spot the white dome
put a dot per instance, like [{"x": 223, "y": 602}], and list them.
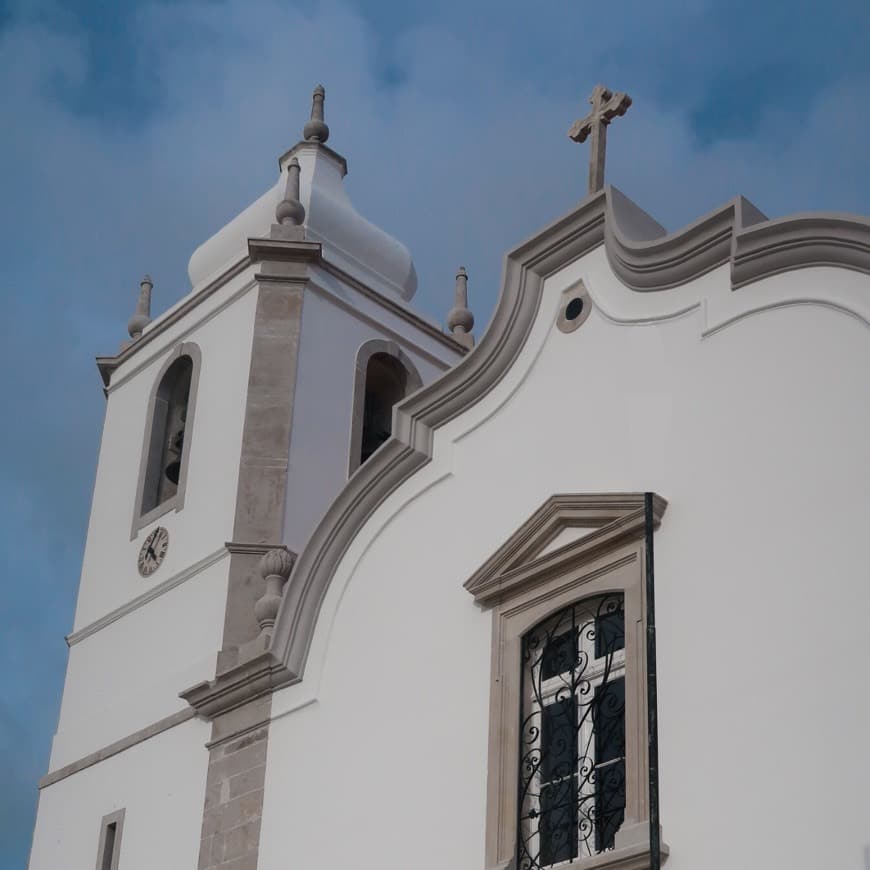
[{"x": 349, "y": 241}]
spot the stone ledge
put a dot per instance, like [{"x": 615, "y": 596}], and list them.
[{"x": 261, "y": 675}]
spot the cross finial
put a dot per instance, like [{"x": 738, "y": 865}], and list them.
[{"x": 605, "y": 107}]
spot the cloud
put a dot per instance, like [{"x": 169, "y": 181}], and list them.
[{"x": 453, "y": 119}]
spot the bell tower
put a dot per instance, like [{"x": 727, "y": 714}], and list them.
[{"x": 233, "y": 419}]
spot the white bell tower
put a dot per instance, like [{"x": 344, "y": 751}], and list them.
[{"x": 232, "y": 421}]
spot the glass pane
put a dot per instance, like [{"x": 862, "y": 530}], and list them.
[
  {"x": 609, "y": 630},
  {"x": 560, "y": 654},
  {"x": 609, "y": 803},
  {"x": 609, "y": 721},
  {"x": 559, "y": 739},
  {"x": 558, "y": 826}
]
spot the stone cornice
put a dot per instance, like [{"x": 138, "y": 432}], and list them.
[
  {"x": 644, "y": 257},
  {"x": 614, "y": 518},
  {"x": 271, "y": 250},
  {"x": 108, "y": 364},
  {"x": 245, "y": 682}
]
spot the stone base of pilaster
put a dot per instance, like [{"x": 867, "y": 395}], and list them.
[{"x": 235, "y": 787}]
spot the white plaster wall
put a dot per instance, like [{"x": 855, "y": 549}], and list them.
[
  {"x": 128, "y": 675},
  {"x": 756, "y": 434},
  {"x": 335, "y": 323},
  {"x": 160, "y": 783},
  {"x": 222, "y": 327}
]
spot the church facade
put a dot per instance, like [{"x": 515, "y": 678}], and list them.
[{"x": 589, "y": 593}]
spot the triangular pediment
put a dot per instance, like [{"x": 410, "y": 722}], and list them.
[{"x": 565, "y": 530}]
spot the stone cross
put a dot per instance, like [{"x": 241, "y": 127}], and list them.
[{"x": 605, "y": 107}]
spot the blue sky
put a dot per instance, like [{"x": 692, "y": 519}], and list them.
[{"x": 133, "y": 130}]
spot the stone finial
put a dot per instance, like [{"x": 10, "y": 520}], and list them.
[
  {"x": 290, "y": 211},
  {"x": 460, "y": 320},
  {"x": 275, "y": 567},
  {"x": 316, "y": 130},
  {"x": 142, "y": 316}
]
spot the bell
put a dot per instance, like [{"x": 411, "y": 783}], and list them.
[{"x": 173, "y": 470}]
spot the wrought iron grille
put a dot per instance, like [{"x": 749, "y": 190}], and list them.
[{"x": 572, "y": 734}]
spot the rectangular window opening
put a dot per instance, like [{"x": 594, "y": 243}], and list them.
[{"x": 110, "y": 841}]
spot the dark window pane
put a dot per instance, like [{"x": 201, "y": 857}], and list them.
[
  {"x": 560, "y": 654},
  {"x": 609, "y": 721},
  {"x": 558, "y": 824},
  {"x": 559, "y": 739},
  {"x": 609, "y": 803},
  {"x": 609, "y": 632},
  {"x": 609, "y": 724}
]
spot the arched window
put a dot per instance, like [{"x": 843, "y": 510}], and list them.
[
  {"x": 573, "y": 751},
  {"x": 572, "y": 734},
  {"x": 385, "y": 385},
  {"x": 163, "y": 469},
  {"x": 384, "y": 376}
]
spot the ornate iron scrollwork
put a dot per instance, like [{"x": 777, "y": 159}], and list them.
[{"x": 572, "y": 734}]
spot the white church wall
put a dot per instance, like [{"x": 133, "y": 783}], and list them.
[
  {"x": 755, "y": 435},
  {"x": 333, "y": 329},
  {"x": 222, "y": 328},
  {"x": 137, "y": 642},
  {"x": 159, "y": 783},
  {"x": 128, "y": 674}
]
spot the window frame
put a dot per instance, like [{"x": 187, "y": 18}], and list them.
[
  {"x": 366, "y": 351},
  {"x": 176, "y": 501},
  {"x": 117, "y": 819},
  {"x": 606, "y": 669},
  {"x": 525, "y": 584}
]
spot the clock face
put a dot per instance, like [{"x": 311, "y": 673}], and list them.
[{"x": 153, "y": 551}]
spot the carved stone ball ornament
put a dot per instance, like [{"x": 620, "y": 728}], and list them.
[{"x": 275, "y": 566}]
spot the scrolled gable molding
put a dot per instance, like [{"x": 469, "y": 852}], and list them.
[
  {"x": 419, "y": 415},
  {"x": 802, "y": 240},
  {"x": 644, "y": 257},
  {"x": 613, "y": 519}
]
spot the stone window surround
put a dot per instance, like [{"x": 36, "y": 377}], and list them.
[
  {"x": 523, "y": 590},
  {"x": 117, "y": 819},
  {"x": 176, "y": 502},
  {"x": 366, "y": 351}
]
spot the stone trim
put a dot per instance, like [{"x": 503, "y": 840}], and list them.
[
  {"x": 116, "y": 819},
  {"x": 140, "y": 600},
  {"x": 516, "y": 565},
  {"x": 394, "y": 307},
  {"x": 264, "y": 457},
  {"x": 612, "y": 558},
  {"x": 235, "y": 787},
  {"x": 643, "y": 256},
  {"x": 575, "y": 291},
  {"x": 176, "y": 502},
  {"x": 107, "y": 365},
  {"x": 118, "y": 746},
  {"x": 365, "y": 352},
  {"x": 233, "y": 688},
  {"x": 250, "y": 548},
  {"x": 417, "y": 416},
  {"x": 324, "y": 290}
]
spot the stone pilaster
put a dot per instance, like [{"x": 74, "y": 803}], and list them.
[{"x": 234, "y": 789}]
